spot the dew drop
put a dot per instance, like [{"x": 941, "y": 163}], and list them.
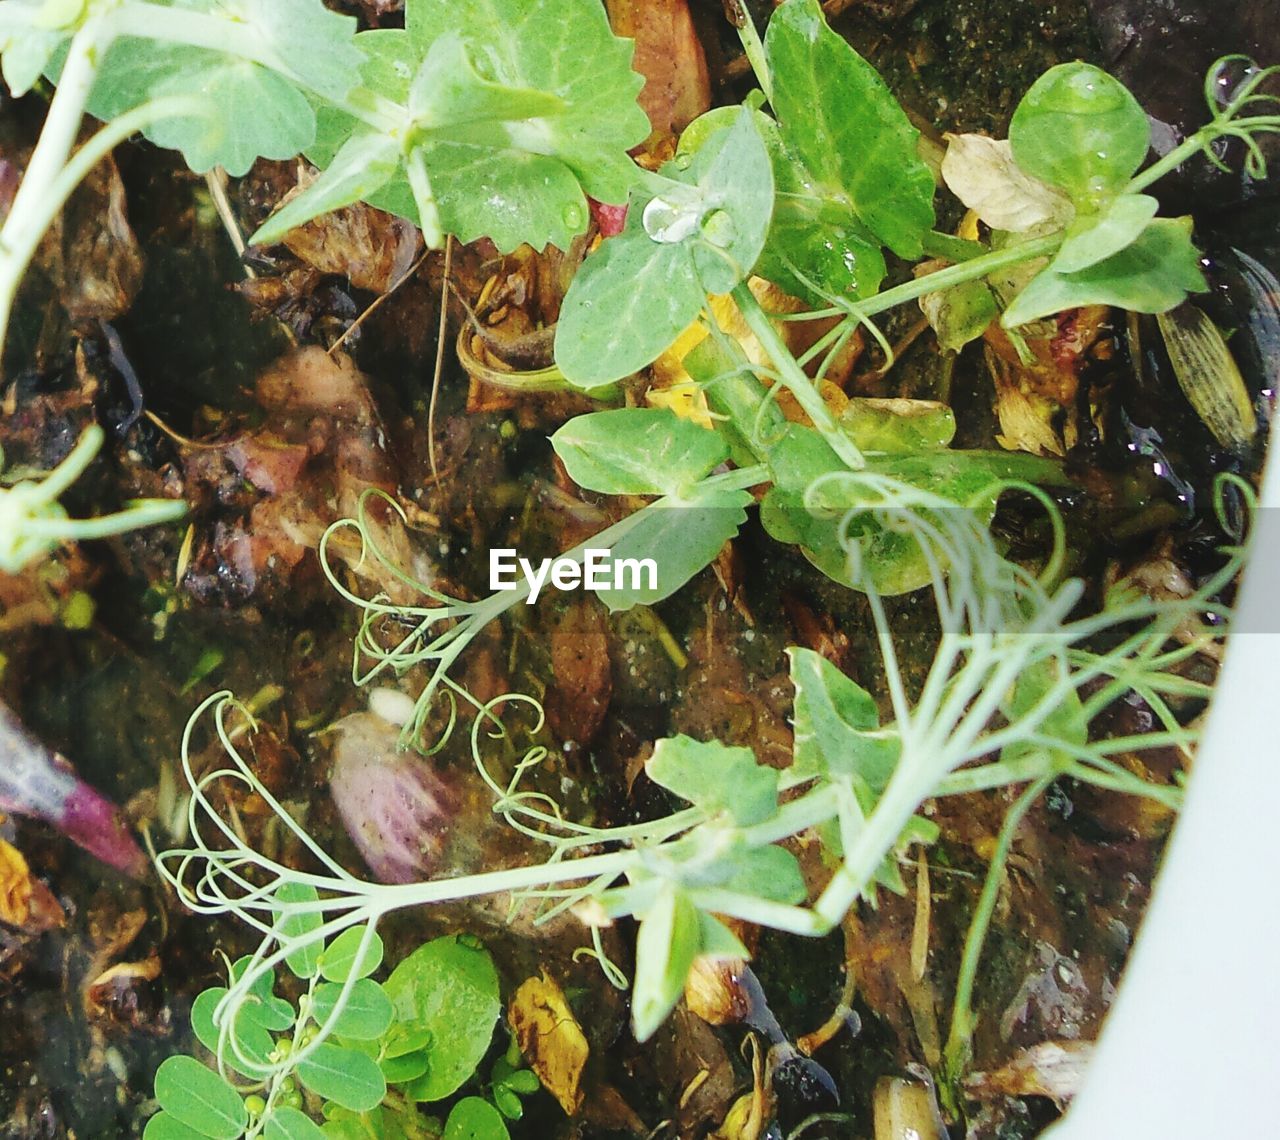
[
  {"x": 669, "y": 223},
  {"x": 573, "y": 217}
]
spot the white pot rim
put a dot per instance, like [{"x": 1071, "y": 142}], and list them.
[{"x": 1189, "y": 1048}]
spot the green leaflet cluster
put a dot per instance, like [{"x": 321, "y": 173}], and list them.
[{"x": 421, "y": 1033}]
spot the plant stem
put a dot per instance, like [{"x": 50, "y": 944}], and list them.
[
  {"x": 30, "y": 214},
  {"x": 794, "y": 378},
  {"x": 963, "y": 1021},
  {"x": 969, "y": 270}
]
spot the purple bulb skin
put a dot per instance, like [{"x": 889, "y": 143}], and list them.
[
  {"x": 393, "y": 805},
  {"x": 93, "y": 821}
]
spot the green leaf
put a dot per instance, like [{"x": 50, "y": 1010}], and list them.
[
  {"x": 199, "y": 1098},
  {"x": 405, "y": 1067},
  {"x": 1095, "y": 237},
  {"x": 366, "y": 1014},
  {"x": 770, "y": 872},
  {"x": 363, "y": 165},
  {"x": 338, "y": 959},
  {"x": 897, "y": 425},
  {"x": 254, "y": 88},
  {"x": 561, "y": 47},
  {"x": 681, "y": 538},
  {"x": 298, "y": 926},
  {"x": 538, "y": 109},
  {"x": 27, "y": 44},
  {"x": 343, "y": 1076},
  {"x": 844, "y": 125},
  {"x": 815, "y": 247},
  {"x": 626, "y": 304},
  {"x": 837, "y": 725},
  {"x": 1079, "y": 129},
  {"x": 960, "y": 314},
  {"x": 717, "y": 940},
  {"x": 475, "y": 1119},
  {"x": 287, "y": 1123},
  {"x": 734, "y": 178},
  {"x": 637, "y": 451},
  {"x": 447, "y": 990},
  {"x": 716, "y": 778},
  {"x": 164, "y": 1126},
  {"x": 666, "y": 945},
  {"x": 261, "y": 1004},
  {"x": 1152, "y": 275},
  {"x": 633, "y": 297},
  {"x": 253, "y": 1039}
]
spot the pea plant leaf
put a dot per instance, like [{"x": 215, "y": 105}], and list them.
[
  {"x": 816, "y": 247},
  {"x": 1095, "y": 237},
  {"x": 26, "y": 46},
  {"x": 669, "y": 939},
  {"x": 721, "y": 780},
  {"x": 680, "y": 539},
  {"x": 841, "y": 122},
  {"x": 517, "y": 110},
  {"x": 702, "y": 233},
  {"x": 1151, "y": 275},
  {"x": 364, "y": 164},
  {"x": 344, "y": 1076},
  {"x": 253, "y": 90},
  {"x": 837, "y": 726},
  {"x": 1080, "y": 130},
  {"x": 365, "y": 1015},
  {"x": 286, "y": 1123},
  {"x": 637, "y": 451}
]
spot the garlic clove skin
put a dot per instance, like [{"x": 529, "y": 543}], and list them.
[{"x": 395, "y": 807}]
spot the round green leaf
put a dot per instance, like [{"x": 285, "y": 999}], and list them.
[
  {"x": 448, "y": 989},
  {"x": 197, "y": 1097},
  {"x": 637, "y": 451},
  {"x": 343, "y": 1076},
  {"x": 338, "y": 959},
  {"x": 291, "y": 1124},
  {"x": 163, "y": 1126},
  {"x": 1080, "y": 130},
  {"x": 366, "y": 1014},
  {"x": 475, "y": 1119}
]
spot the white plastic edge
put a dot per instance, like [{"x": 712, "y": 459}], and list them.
[{"x": 1189, "y": 1049}]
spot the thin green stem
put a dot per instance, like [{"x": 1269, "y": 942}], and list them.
[
  {"x": 963, "y": 1020},
  {"x": 30, "y": 215},
  {"x": 794, "y": 378},
  {"x": 970, "y": 270}
]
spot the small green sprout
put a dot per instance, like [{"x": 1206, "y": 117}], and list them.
[{"x": 33, "y": 523}]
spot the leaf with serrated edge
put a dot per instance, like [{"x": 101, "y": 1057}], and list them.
[{"x": 716, "y": 778}]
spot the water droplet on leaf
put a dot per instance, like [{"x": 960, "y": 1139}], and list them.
[{"x": 670, "y": 223}]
